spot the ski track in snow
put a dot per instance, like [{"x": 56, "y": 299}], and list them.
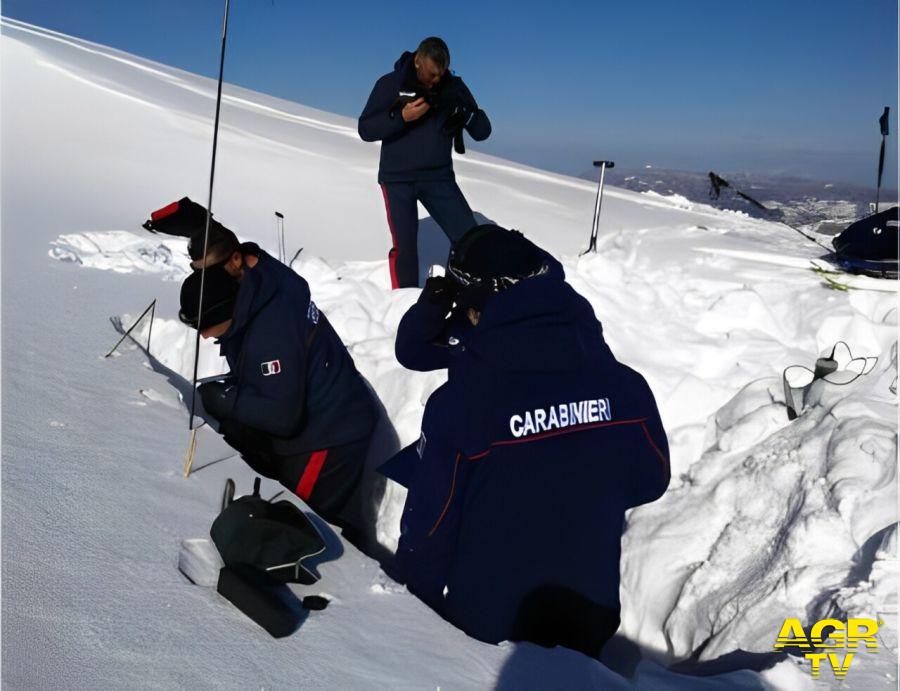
[{"x": 764, "y": 518}]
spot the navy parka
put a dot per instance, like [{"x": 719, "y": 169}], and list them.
[
  {"x": 528, "y": 458},
  {"x": 295, "y": 380},
  {"x": 417, "y": 150}
]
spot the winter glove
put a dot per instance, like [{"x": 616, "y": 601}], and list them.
[
  {"x": 254, "y": 446},
  {"x": 440, "y": 291},
  {"x": 458, "y": 118},
  {"x": 218, "y": 398},
  {"x": 459, "y": 105}
]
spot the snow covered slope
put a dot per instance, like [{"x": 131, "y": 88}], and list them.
[{"x": 765, "y": 518}]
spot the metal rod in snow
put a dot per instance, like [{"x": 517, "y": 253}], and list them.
[
  {"x": 150, "y": 308},
  {"x": 595, "y": 225},
  {"x": 883, "y": 123},
  {"x": 279, "y": 237},
  {"x": 592, "y": 244},
  {"x": 212, "y": 175}
]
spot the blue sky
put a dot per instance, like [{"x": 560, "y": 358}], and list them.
[{"x": 769, "y": 86}]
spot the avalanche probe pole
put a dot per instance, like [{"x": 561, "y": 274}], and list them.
[
  {"x": 883, "y": 121},
  {"x": 279, "y": 237},
  {"x": 189, "y": 456},
  {"x": 595, "y": 226}
]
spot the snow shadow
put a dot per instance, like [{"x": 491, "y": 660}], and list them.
[
  {"x": 385, "y": 443},
  {"x": 735, "y": 661},
  {"x": 532, "y": 667},
  {"x": 625, "y": 664},
  {"x": 434, "y": 245},
  {"x": 624, "y": 655},
  {"x": 179, "y": 383}
]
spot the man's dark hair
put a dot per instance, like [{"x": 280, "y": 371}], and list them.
[
  {"x": 436, "y": 50},
  {"x": 221, "y": 245}
]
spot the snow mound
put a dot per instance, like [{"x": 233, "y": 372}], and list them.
[
  {"x": 765, "y": 517},
  {"x": 124, "y": 252},
  {"x": 677, "y": 200}
]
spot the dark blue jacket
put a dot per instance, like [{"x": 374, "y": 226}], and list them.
[
  {"x": 530, "y": 455},
  {"x": 418, "y": 150},
  {"x": 295, "y": 380}
]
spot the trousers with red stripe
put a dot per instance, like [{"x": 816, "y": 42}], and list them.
[
  {"x": 448, "y": 207},
  {"x": 327, "y": 479}
]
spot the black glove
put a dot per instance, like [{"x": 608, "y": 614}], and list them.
[
  {"x": 218, "y": 398},
  {"x": 457, "y": 119},
  {"x": 254, "y": 446},
  {"x": 440, "y": 291}
]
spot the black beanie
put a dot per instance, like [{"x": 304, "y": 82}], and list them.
[
  {"x": 219, "y": 295},
  {"x": 488, "y": 259}
]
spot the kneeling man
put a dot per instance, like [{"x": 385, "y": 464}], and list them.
[
  {"x": 529, "y": 455},
  {"x": 293, "y": 405}
]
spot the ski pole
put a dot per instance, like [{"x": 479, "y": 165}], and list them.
[
  {"x": 595, "y": 225},
  {"x": 883, "y": 122},
  {"x": 212, "y": 174}
]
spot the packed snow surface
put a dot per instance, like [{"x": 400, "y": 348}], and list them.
[{"x": 765, "y": 518}]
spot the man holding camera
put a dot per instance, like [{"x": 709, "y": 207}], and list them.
[{"x": 418, "y": 111}]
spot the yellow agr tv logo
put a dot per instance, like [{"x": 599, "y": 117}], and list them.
[{"x": 828, "y": 636}]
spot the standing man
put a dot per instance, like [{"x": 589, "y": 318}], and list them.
[{"x": 418, "y": 111}]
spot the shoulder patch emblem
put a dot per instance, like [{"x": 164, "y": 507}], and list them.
[
  {"x": 312, "y": 312},
  {"x": 271, "y": 367},
  {"x": 420, "y": 446}
]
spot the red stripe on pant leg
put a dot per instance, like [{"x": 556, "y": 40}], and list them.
[
  {"x": 392, "y": 255},
  {"x": 311, "y": 474}
]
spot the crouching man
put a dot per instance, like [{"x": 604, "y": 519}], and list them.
[
  {"x": 529, "y": 455},
  {"x": 293, "y": 405}
]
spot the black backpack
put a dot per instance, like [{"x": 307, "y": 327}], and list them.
[
  {"x": 183, "y": 218},
  {"x": 272, "y": 537},
  {"x": 873, "y": 238}
]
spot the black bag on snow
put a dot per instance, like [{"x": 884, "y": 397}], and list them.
[
  {"x": 873, "y": 238},
  {"x": 272, "y": 537},
  {"x": 183, "y": 218}
]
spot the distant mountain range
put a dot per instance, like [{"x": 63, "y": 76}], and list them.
[{"x": 809, "y": 204}]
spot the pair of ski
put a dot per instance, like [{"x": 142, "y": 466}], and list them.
[{"x": 834, "y": 275}]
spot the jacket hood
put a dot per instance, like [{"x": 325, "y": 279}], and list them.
[
  {"x": 404, "y": 70},
  {"x": 257, "y": 289},
  {"x": 403, "y": 61},
  {"x": 538, "y": 325}
]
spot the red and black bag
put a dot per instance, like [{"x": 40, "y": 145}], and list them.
[{"x": 183, "y": 218}]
